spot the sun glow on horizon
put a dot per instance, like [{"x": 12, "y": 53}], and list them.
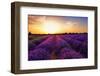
[
  {"x": 51, "y": 27},
  {"x": 57, "y": 24}
]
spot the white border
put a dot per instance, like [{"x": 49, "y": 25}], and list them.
[{"x": 25, "y": 64}]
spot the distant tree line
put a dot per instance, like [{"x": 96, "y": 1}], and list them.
[{"x": 56, "y": 33}]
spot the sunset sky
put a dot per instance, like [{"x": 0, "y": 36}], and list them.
[{"x": 56, "y": 24}]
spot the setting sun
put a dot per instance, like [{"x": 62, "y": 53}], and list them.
[
  {"x": 51, "y": 27},
  {"x": 56, "y": 24}
]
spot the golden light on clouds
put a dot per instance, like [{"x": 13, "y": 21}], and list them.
[{"x": 53, "y": 25}]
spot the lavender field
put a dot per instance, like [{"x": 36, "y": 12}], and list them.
[{"x": 57, "y": 46}]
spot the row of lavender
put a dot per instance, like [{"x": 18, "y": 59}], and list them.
[{"x": 68, "y": 46}]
